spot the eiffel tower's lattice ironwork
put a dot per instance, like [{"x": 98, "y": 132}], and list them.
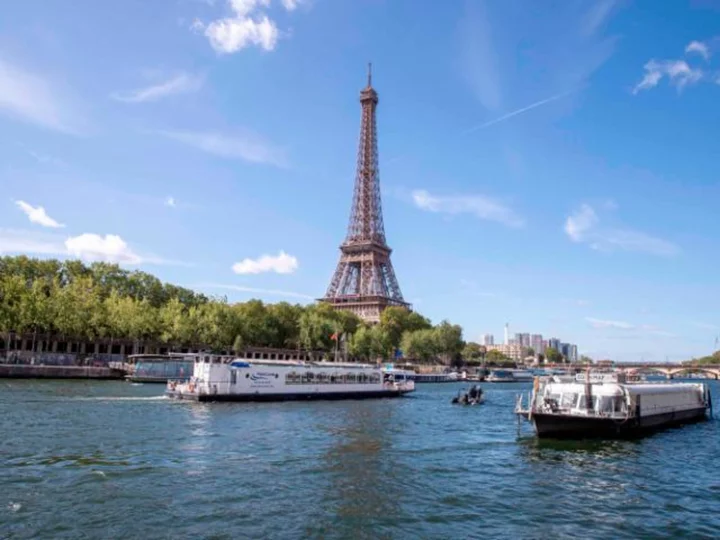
[{"x": 364, "y": 281}]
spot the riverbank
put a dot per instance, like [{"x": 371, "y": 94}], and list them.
[{"x": 26, "y": 371}]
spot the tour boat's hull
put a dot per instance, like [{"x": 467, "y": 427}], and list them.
[
  {"x": 302, "y": 396},
  {"x": 559, "y": 426}
]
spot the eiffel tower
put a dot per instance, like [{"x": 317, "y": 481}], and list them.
[{"x": 364, "y": 281}]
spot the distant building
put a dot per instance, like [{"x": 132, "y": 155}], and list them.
[
  {"x": 573, "y": 356},
  {"x": 522, "y": 339},
  {"x": 487, "y": 339},
  {"x": 554, "y": 343},
  {"x": 513, "y": 351},
  {"x": 536, "y": 342}
]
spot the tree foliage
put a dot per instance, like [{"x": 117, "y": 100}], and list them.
[
  {"x": 553, "y": 356},
  {"x": 72, "y": 301}
]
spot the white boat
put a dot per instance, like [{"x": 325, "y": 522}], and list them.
[
  {"x": 509, "y": 375},
  {"x": 218, "y": 378},
  {"x": 609, "y": 405},
  {"x": 436, "y": 377}
]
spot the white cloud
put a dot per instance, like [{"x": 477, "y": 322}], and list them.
[
  {"x": 478, "y": 205},
  {"x": 91, "y": 247},
  {"x": 291, "y": 5},
  {"x": 280, "y": 264},
  {"x": 37, "y": 214},
  {"x": 602, "y": 323},
  {"x": 31, "y": 98},
  {"x": 183, "y": 83},
  {"x": 580, "y": 222},
  {"x": 247, "y": 147},
  {"x": 95, "y": 247},
  {"x": 698, "y": 47},
  {"x": 678, "y": 72},
  {"x": 254, "y": 290},
  {"x": 170, "y": 201},
  {"x": 245, "y": 27},
  {"x": 583, "y": 226}
]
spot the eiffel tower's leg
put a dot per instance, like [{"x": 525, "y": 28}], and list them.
[
  {"x": 336, "y": 280},
  {"x": 392, "y": 284}
]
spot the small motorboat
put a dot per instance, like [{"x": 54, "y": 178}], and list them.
[{"x": 473, "y": 397}]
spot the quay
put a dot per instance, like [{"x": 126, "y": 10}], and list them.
[{"x": 27, "y": 371}]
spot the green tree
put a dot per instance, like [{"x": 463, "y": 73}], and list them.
[
  {"x": 449, "y": 340},
  {"x": 553, "y": 356},
  {"x": 420, "y": 344},
  {"x": 472, "y": 353},
  {"x": 586, "y": 359},
  {"x": 496, "y": 357}
]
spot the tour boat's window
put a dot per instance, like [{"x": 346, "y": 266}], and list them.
[
  {"x": 351, "y": 378},
  {"x": 582, "y": 404},
  {"x": 233, "y": 376},
  {"x": 265, "y": 356},
  {"x": 272, "y": 356},
  {"x": 375, "y": 378},
  {"x": 607, "y": 405},
  {"x": 207, "y": 359},
  {"x": 568, "y": 400},
  {"x": 322, "y": 378}
]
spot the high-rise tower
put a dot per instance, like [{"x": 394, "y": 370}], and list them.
[{"x": 364, "y": 281}]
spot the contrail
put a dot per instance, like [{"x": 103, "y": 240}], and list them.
[{"x": 515, "y": 113}]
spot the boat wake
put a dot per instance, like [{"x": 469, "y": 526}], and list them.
[{"x": 123, "y": 398}]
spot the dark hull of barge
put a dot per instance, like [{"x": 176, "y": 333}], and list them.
[{"x": 562, "y": 426}]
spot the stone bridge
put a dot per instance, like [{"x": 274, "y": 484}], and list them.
[{"x": 672, "y": 370}]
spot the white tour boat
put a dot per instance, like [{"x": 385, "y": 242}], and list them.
[
  {"x": 222, "y": 378},
  {"x": 608, "y": 404},
  {"x": 509, "y": 375}
]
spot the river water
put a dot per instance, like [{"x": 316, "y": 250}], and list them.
[{"x": 116, "y": 460}]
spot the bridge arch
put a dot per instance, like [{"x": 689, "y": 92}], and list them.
[{"x": 707, "y": 370}]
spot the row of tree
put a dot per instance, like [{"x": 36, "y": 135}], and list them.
[
  {"x": 50, "y": 299},
  {"x": 711, "y": 360}
]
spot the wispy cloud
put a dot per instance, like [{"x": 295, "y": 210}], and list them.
[
  {"x": 38, "y": 215},
  {"x": 170, "y": 201},
  {"x": 625, "y": 326},
  {"x": 551, "y": 54},
  {"x": 246, "y": 146},
  {"x": 516, "y": 112},
  {"x": 253, "y": 290},
  {"x": 706, "y": 326},
  {"x": 479, "y": 59},
  {"x": 282, "y": 263},
  {"x": 603, "y": 323},
  {"x": 248, "y": 25},
  {"x": 88, "y": 246},
  {"x": 698, "y": 47},
  {"x": 678, "y": 72},
  {"x": 583, "y": 226},
  {"x": 480, "y": 206},
  {"x": 31, "y": 98},
  {"x": 184, "y": 83}
]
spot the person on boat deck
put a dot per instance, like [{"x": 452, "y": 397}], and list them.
[{"x": 473, "y": 394}]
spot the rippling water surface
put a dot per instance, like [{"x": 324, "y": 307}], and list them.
[{"x": 115, "y": 460}]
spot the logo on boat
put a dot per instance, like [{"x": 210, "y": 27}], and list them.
[{"x": 260, "y": 376}]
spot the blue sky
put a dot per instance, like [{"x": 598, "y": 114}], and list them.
[{"x": 551, "y": 166}]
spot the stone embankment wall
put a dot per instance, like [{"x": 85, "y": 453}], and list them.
[{"x": 24, "y": 371}]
